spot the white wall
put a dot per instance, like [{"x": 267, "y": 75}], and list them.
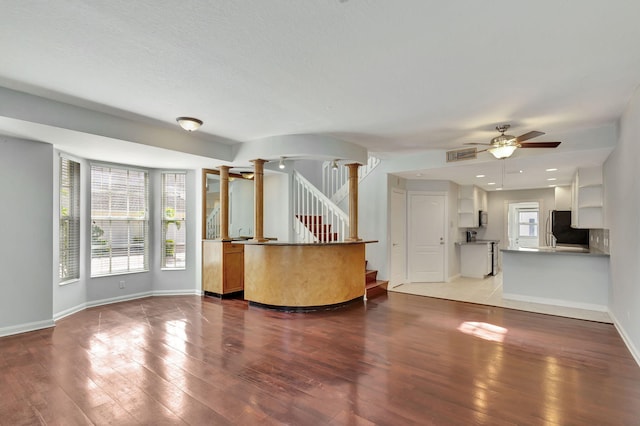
[
  {"x": 622, "y": 218},
  {"x": 277, "y": 207},
  {"x": 176, "y": 281},
  {"x": 26, "y": 252}
]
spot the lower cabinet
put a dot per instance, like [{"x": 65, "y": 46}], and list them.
[
  {"x": 222, "y": 267},
  {"x": 476, "y": 260}
]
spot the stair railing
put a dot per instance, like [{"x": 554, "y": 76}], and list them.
[
  {"x": 213, "y": 224},
  {"x": 315, "y": 217},
  {"x": 335, "y": 181}
]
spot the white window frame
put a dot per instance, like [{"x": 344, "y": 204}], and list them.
[
  {"x": 69, "y": 221},
  {"x": 173, "y": 221},
  {"x": 106, "y": 244}
]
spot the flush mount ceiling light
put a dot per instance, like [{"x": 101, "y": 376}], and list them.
[
  {"x": 281, "y": 165},
  {"x": 247, "y": 175},
  {"x": 189, "y": 124},
  {"x": 334, "y": 165}
]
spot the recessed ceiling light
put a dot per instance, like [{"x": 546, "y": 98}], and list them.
[
  {"x": 479, "y": 176},
  {"x": 551, "y": 170},
  {"x": 552, "y": 186},
  {"x": 491, "y": 183},
  {"x": 551, "y": 179},
  {"x": 498, "y": 189}
]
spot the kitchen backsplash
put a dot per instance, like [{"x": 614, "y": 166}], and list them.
[{"x": 599, "y": 240}]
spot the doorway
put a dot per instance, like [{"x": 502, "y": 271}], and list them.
[
  {"x": 398, "y": 216},
  {"x": 523, "y": 224},
  {"x": 427, "y": 237}
]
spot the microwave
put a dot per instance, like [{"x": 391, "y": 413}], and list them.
[{"x": 483, "y": 218}]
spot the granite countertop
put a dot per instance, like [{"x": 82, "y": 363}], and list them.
[
  {"x": 462, "y": 243},
  {"x": 288, "y": 243},
  {"x": 571, "y": 250}
]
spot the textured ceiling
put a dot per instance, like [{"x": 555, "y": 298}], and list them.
[{"x": 395, "y": 77}]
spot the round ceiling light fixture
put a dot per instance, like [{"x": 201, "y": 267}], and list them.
[{"x": 189, "y": 124}]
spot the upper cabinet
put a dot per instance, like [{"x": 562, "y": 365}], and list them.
[
  {"x": 471, "y": 200},
  {"x": 587, "y": 199}
]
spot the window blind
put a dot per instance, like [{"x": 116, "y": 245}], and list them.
[
  {"x": 69, "y": 232},
  {"x": 173, "y": 220},
  {"x": 119, "y": 220}
]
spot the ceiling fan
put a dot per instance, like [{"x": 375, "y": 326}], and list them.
[{"x": 503, "y": 146}]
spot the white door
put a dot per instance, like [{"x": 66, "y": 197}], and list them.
[
  {"x": 398, "y": 236},
  {"x": 426, "y": 238}
]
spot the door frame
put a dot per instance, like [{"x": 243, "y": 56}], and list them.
[
  {"x": 405, "y": 236},
  {"x": 541, "y": 218},
  {"x": 445, "y": 260}
]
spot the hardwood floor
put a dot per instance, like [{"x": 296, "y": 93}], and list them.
[{"x": 399, "y": 359}]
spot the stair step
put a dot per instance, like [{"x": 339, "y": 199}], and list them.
[
  {"x": 326, "y": 236},
  {"x": 376, "y": 288},
  {"x": 371, "y": 275},
  {"x": 309, "y": 219}
]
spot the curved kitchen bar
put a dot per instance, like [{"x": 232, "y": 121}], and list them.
[{"x": 303, "y": 276}]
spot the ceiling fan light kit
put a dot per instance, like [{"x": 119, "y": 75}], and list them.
[
  {"x": 503, "y": 146},
  {"x": 503, "y": 151}
]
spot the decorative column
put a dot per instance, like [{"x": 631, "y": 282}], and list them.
[
  {"x": 258, "y": 200},
  {"x": 353, "y": 202},
  {"x": 224, "y": 203}
]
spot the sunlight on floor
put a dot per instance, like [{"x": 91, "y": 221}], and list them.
[
  {"x": 488, "y": 291},
  {"x": 483, "y": 330}
]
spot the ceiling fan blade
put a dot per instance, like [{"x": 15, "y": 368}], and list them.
[
  {"x": 539, "y": 144},
  {"x": 530, "y": 135},
  {"x": 477, "y": 143}
]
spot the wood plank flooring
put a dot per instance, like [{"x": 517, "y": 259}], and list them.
[{"x": 397, "y": 360}]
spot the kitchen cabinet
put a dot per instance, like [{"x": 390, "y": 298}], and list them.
[
  {"x": 222, "y": 267},
  {"x": 587, "y": 199},
  {"x": 478, "y": 259},
  {"x": 471, "y": 200}
]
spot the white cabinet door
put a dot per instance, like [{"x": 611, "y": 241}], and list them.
[{"x": 475, "y": 260}]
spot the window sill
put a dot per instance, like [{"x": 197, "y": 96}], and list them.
[
  {"x": 173, "y": 269},
  {"x": 71, "y": 281}
]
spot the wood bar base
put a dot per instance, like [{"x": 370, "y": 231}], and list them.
[{"x": 304, "y": 276}]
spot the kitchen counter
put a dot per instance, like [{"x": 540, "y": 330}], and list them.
[
  {"x": 478, "y": 258},
  {"x": 562, "y": 250},
  {"x": 462, "y": 243},
  {"x": 562, "y": 276}
]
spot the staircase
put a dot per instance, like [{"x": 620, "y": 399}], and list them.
[
  {"x": 373, "y": 286},
  {"x": 321, "y": 231},
  {"x": 315, "y": 217}
]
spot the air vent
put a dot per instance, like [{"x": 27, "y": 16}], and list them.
[{"x": 462, "y": 154}]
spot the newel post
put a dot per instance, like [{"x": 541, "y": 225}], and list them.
[
  {"x": 258, "y": 200},
  {"x": 353, "y": 202},
  {"x": 224, "y": 203}
]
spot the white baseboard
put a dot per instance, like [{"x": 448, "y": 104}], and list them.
[
  {"x": 59, "y": 315},
  {"x": 177, "y": 293},
  {"x": 119, "y": 299},
  {"x": 555, "y": 302},
  {"x": 625, "y": 338},
  {"x": 453, "y": 277},
  {"x": 24, "y": 328}
]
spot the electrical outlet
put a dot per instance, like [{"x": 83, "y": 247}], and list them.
[{"x": 122, "y": 285}]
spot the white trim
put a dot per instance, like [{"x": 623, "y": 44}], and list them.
[
  {"x": 555, "y": 302},
  {"x": 24, "y": 328},
  {"x": 625, "y": 338},
  {"x": 118, "y": 299},
  {"x": 161, "y": 293},
  {"x": 59, "y": 315}
]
